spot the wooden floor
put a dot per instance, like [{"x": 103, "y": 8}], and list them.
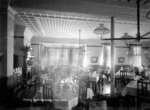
[{"x": 101, "y": 101}]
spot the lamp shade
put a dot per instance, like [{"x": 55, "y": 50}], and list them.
[
  {"x": 126, "y": 35},
  {"x": 101, "y": 30},
  {"x": 146, "y": 52}
]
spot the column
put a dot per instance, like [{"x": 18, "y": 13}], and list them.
[
  {"x": 112, "y": 74},
  {"x": 6, "y": 47}
]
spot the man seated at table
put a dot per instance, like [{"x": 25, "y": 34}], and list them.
[{"x": 107, "y": 73}]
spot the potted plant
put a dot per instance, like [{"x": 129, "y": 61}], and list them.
[{"x": 25, "y": 50}]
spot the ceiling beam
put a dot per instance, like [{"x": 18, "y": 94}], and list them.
[
  {"x": 124, "y": 38},
  {"x": 145, "y": 2},
  {"x": 145, "y": 34}
]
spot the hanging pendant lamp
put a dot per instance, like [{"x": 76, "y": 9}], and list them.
[{"x": 101, "y": 30}]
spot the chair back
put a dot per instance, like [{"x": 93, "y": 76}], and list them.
[
  {"x": 123, "y": 74},
  {"x": 143, "y": 88},
  {"x": 82, "y": 92},
  {"x": 47, "y": 92}
]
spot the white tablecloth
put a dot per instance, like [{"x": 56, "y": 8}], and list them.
[
  {"x": 131, "y": 89},
  {"x": 65, "y": 104},
  {"x": 90, "y": 93},
  {"x": 94, "y": 78}
]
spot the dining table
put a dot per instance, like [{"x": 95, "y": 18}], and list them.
[
  {"x": 93, "y": 80},
  {"x": 131, "y": 88},
  {"x": 94, "y": 77},
  {"x": 65, "y": 102},
  {"x": 65, "y": 95}
]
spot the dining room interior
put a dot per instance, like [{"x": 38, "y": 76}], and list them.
[{"x": 75, "y": 54}]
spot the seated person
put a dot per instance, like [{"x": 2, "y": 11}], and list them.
[
  {"x": 118, "y": 72},
  {"x": 107, "y": 72},
  {"x": 136, "y": 71}
]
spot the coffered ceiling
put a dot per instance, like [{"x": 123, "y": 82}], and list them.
[{"x": 64, "y": 18}]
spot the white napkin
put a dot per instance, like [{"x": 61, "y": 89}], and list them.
[{"x": 137, "y": 78}]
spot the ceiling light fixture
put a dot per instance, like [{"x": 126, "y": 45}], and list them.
[
  {"x": 126, "y": 35},
  {"x": 135, "y": 49},
  {"x": 138, "y": 36},
  {"x": 101, "y": 30}
]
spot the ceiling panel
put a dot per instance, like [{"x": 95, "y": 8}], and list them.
[
  {"x": 60, "y": 26},
  {"x": 57, "y": 24}
]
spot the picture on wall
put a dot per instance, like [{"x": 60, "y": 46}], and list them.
[
  {"x": 94, "y": 59},
  {"x": 121, "y": 60}
]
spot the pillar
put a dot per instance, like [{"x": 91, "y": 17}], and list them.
[
  {"x": 112, "y": 75},
  {"x": 6, "y": 47}
]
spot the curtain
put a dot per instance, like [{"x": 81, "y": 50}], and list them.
[
  {"x": 63, "y": 57},
  {"x": 106, "y": 56},
  {"x": 136, "y": 56},
  {"x": 43, "y": 57}
]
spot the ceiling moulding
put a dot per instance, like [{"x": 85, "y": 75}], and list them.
[
  {"x": 61, "y": 4},
  {"x": 36, "y": 40},
  {"x": 125, "y": 3},
  {"x": 61, "y": 45}
]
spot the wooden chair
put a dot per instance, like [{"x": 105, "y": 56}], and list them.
[
  {"x": 117, "y": 82},
  {"x": 143, "y": 92},
  {"x": 48, "y": 95},
  {"x": 123, "y": 74},
  {"x": 82, "y": 92},
  {"x": 92, "y": 85},
  {"x": 120, "y": 81},
  {"x": 123, "y": 77},
  {"x": 83, "y": 85}
]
